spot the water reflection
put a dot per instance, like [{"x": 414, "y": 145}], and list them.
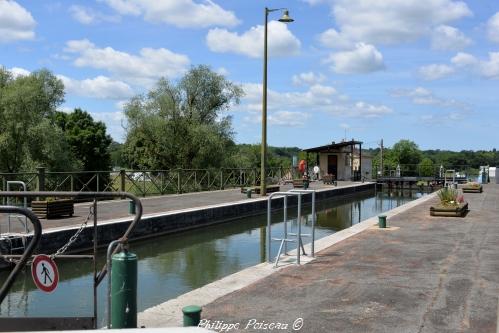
[{"x": 174, "y": 264}]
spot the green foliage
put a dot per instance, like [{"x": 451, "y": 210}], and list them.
[
  {"x": 405, "y": 152},
  {"x": 448, "y": 196},
  {"x": 116, "y": 152},
  {"x": 181, "y": 125},
  {"x": 249, "y": 156},
  {"x": 28, "y": 135},
  {"x": 427, "y": 168},
  {"x": 87, "y": 138}
]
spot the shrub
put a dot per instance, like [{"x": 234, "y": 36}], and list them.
[{"x": 448, "y": 197}]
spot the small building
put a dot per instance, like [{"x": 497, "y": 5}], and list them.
[{"x": 344, "y": 160}]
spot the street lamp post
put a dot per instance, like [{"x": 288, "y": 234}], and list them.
[{"x": 285, "y": 19}]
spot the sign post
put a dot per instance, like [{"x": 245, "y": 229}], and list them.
[{"x": 45, "y": 273}]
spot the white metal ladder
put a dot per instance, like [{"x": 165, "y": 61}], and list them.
[{"x": 296, "y": 237}]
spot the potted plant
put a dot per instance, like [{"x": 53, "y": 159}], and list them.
[
  {"x": 451, "y": 204},
  {"x": 53, "y": 207},
  {"x": 472, "y": 187}
]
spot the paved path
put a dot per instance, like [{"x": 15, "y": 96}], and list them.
[
  {"x": 425, "y": 274},
  {"x": 108, "y": 210}
]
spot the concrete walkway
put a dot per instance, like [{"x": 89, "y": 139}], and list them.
[
  {"x": 108, "y": 210},
  {"x": 424, "y": 274}
]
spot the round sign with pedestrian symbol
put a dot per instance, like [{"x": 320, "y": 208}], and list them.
[{"x": 44, "y": 272}]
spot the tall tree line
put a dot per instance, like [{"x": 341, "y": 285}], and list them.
[{"x": 33, "y": 133}]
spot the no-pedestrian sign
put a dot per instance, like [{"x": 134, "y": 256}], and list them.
[{"x": 45, "y": 273}]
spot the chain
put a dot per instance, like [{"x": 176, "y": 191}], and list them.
[
  {"x": 63, "y": 248},
  {"x": 73, "y": 238}
]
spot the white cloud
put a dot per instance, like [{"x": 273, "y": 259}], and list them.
[
  {"x": 493, "y": 28},
  {"x": 448, "y": 38},
  {"x": 488, "y": 68},
  {"x": 423, "y": 96},
  {"x": 17, "y": 71},
  {"x": 314, "y": 2},
  {"x": 115, "y": 122},
  {"x": 222, "y": 71},
  {"x": 435, "y": 71},
  {"x": 318, "y": 98},
  {"x": 250, "y": 43},
  {"x": 144, "y": 68},
  {"x": 16, "y": 23},
  {"x": 180, "y": 13},
  {"x": 360, "y": 109},
  {"x": 391, "y": 21},
  {"x": 287, "y": 118},
  {"x": 124, "y": 7},
  {"x": 308, "y": 78},
  {"x": 86, "y": 15},
  {"x": 280, "y": 118},
  {"x": 464, "y": 59},
  {"x": 364, "y": 58},
  {"x": 99, "y": 87},
  {"x": 333, "y": 39}
]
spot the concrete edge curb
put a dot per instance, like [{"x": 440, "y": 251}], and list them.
[{"x": 129, "y": 219}]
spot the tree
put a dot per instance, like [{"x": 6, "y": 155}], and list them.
[
  {"x": 116, "y": 151},
  {"x": 426, "y": 168},
  {"x": 28, "y": 135},
  {"x": 87, "y": 139},
  {"x": 406, "y": 152},
  {"x": 181, "y": 125}
]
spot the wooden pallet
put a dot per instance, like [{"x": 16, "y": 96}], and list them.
[{"x": 54, "y": 208}]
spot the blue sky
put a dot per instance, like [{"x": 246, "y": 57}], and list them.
[{"x": 424, "y": 70}]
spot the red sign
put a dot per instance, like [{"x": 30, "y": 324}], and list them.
[{"x": 45, "y": 273}]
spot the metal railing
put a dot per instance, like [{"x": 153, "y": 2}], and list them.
[
  {"x": 147, "y": 182},
  {"x": 418, "y": 170},
  {"x": 98, "y": 276},
  {"x": 37, "y": 234}
]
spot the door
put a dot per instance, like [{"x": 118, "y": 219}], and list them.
[{"x": 332, "y": 166}]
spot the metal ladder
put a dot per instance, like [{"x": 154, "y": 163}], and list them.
[{"x": 296, "y": 237}]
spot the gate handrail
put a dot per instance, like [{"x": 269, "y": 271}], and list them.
[
  {"x": 37, "y": 234},
  {"x": 95, "y": 195}
]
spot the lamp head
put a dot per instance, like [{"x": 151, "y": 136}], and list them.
[{"x": 285, "y": 17}]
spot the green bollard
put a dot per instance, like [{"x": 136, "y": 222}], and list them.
[
  {"x": 192, "y": 315},
  {"x": 248, "y": 193},
  {"x": 124, "y": 290},
  {"x": 131, "y": 207},
  {"x": 382, "y": 221}
]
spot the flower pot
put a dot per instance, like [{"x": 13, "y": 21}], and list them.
[
  {"x": 449, "y": 211},
  {"x": 472, "y": 189}
]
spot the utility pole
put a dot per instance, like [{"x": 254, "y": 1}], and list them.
[{"x": 381, "y": 162}]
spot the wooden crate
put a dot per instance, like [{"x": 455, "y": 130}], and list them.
[{"x": 54, "y": 208}]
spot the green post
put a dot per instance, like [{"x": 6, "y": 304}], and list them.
[
  {"x": 192, "y": 315},
  {"x": 179, "y": 183},
  {"x": 131, "y": 207},
  {"x": 122, "y": 181},
  {"x": 248, "y": 192},
  {"x": 124, "y": 290},
  {"x": 382, "y": 221},
  {"x": 40, "y": 185}
]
